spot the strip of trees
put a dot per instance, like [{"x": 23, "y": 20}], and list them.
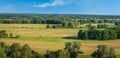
[
  {"x": 97, "y": 34},
  {"x": 64, "y": 25},
  {"x": 56, "y": 18},
  {"x": 71, "y": 50},
  {"x": 4, "y": 34},
  {"x": 107, "y": 34},
  {"x": 17, "y": 51}
]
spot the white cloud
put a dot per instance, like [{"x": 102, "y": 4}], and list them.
[
  {"x": 9, "y": 7},
  {"x": 53, "y": 3},
  {"x": 42, "y": 5}
]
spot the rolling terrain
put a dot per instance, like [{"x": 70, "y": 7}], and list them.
[{"x": 41, "y": 39}]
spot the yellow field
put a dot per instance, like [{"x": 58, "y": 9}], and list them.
[
  {"x": 37, "y": 30},
  {"x": 42, "y": 39}
]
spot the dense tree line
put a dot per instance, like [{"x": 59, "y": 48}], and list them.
[
  {"x": 56, "y": 18},
  {"x": 17, "y": 51},
  {"x": 71, "y": 50},
  {"x": 98, "y": 34}
]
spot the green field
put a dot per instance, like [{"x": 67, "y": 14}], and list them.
[{"x": 42, "y": 39}]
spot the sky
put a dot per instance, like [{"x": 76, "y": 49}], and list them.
[{"x": 109, "y": 7}]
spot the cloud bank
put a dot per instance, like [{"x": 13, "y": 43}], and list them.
[{"x": 53, "y": 3}]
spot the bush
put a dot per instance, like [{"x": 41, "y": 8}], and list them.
[
  {"x": 11, "y": 35},
  {"x": 17, "y": 36},
  {"x": 3, "y": 34},
  {"x": 104, "y": 51},
  {"x": 73, "y": 48},
  {"x": 48, "y": 26}
]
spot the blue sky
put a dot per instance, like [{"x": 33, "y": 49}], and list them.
[{"x": 110, "y": 7}]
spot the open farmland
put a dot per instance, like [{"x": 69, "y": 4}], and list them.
[
  {"x": 42, "y": 39},
  {"x": 37, "y": 30},
  {"x": 59, "y": 29}
]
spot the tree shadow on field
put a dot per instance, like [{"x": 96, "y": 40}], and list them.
[{"x": 71, "y": 37}]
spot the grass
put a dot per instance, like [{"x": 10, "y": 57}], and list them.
[
  {"x": 88, "y": 46},
  {"x": 36, "y": 31},
  {"x": 42, "y": 39}
]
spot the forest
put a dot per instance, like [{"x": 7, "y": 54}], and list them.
[{"x": 56, "y": 18}]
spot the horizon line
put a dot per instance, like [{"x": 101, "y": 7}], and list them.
[{"x": 66, "y": 14}]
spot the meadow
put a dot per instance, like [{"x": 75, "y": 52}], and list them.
[{"x": 41, "y": 39}]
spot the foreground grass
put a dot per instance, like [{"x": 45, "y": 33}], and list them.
[{"x": 88, "y": 46}]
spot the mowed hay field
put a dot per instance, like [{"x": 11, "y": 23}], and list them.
[
  {"x": 41, "y": 39},
  {"x": 37, "y": 30}
]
